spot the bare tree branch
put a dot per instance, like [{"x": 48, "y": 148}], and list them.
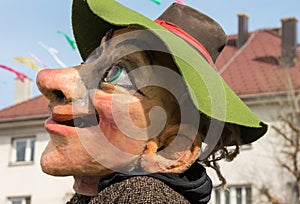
[
  {"x": 272, "y": 198},
  {"x": 289, "y": 158},
  {"x": 290, "y": 124},
  {"x": 288, "y": 168},
  {"x": 289, "y": 140}
]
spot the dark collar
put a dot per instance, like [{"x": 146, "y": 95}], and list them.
[{"x": 194, "y": 184}]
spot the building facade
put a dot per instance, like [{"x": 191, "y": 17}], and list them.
[
  {"x": 263, "y": 68},
  {"x": 22, "y": 140}
]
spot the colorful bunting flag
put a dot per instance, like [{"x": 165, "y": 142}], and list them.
[
  {"x": 19, "y": 75},
  {"x": 70, "y": 41},
  {"x": 180, "y": 2},
  {"x": 28, "y": 62},
  {"x": 53, "y": 52},
  {"x": 156, "y": 1},
  {"x": 38, "y": 60}
]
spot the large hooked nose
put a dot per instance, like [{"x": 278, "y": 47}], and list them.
[{"x": 61, "y": 85}]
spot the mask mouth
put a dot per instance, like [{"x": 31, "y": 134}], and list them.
[{"x": 82, "y": 121}]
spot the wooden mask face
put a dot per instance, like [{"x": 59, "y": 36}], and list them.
[{"x": 116, "y": 111}]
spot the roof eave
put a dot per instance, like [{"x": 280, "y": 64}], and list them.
[
  {"x": 267, "y": 97},
  {"x": 11, "y": 122}
]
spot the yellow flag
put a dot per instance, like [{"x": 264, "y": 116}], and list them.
[{"x": 28, "y": 62}]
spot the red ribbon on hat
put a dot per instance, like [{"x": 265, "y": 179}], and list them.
[{"x": 188, "y": 38}]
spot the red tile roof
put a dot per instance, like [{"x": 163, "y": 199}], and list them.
[
  {"x": 250, "y": 71},
  {"x": 255, "y": 68},
  {"x": 32, "y": 108}
]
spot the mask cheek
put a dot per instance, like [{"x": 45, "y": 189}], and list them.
[
  {"x": 122, "y": 120},
  {"x": 122, "y": 110}
]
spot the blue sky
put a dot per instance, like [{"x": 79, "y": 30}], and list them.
[{"x": 25, "y": 23}]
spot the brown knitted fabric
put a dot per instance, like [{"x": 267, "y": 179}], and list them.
[
  {"x": 79, "y": 199},
  {"x": 138, "y": 189}
]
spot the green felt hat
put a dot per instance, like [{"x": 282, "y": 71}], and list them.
[{"x": 91, "y": 19}]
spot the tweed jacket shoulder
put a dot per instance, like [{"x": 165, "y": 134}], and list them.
[{"x": 138, "y": 189}]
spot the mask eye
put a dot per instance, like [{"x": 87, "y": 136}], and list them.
[{"x": 118, "y": 75}]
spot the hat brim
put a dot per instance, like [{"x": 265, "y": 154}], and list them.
[{"x": 211, "y": 95}]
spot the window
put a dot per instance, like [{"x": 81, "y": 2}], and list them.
[
  {"x": 23, "y": 150},
  {"x": 19, "y": 200},
  {"x": 241, "y": 194}
]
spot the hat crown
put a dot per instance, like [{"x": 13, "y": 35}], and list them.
[{"x": 198, "y": 25}]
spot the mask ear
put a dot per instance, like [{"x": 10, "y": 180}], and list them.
[{"x": 174, "y": 151}]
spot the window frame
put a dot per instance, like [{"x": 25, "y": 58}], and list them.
[
  {"x": 29, "y": 152},
  {"x": 23, "y": 199},
  {"x": 237, "y": 194}
]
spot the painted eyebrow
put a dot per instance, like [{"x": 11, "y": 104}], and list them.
[
  {"x": 136, "y": 42},
  {"x": 139, "y": 44}
]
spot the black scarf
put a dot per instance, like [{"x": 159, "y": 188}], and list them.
[{"x": 194, "y": 184}]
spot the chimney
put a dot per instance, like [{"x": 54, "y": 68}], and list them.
[
  {"x": 23, "y": 90},
  {"x": 242, "y": 29},
  {"x": 288, "y": 42}
]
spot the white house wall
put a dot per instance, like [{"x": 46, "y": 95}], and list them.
[
  {"x": 29, "y": 180},
  {"x": 258, "y": 165}
]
